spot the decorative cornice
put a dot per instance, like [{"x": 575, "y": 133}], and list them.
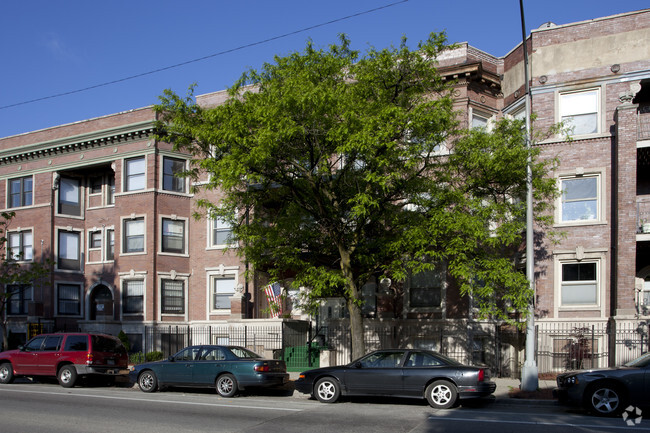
[
  {"x": 134, "y": 131},
  {"x": 471, "y": 72}
]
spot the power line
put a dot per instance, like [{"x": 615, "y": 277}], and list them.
[{"x": 200, "y": 59}]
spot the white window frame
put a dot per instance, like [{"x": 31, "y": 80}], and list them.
[
  {"x": 219, "y": 272},
  {"x": 128, "y": 177},
  {"x": 598, "y": 175},
  {"x": 63, "y": 193},
  {"x": 174, "y": 276},
  {"x": 580, "y": 255},
  {"x": 565, "y": 110},
  {"x": 123, "y": 243},
  {"x": 174, "y": 218},
  {"x": 20, "y": 231},
  {"x": 80, "y": 248},
  {"x": 124, "y": 282},
  {"x": 211, "y": 229},
  {"x": 487, "y": 116}
]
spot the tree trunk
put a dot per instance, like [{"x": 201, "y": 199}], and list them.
[{"x": 353, "y": 304}]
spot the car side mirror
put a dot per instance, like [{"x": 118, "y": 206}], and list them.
[
  {"x": 170, "y": 359},
  {"x": 21, "y": 348},
  {"x": 358, "y": 364}
]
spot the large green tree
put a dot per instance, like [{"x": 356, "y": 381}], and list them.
[
  {"x": 339, "y": 159},
  {"x": 16, "y": 275}
]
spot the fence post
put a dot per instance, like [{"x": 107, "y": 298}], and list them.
[{"x": 612, "y": 342}]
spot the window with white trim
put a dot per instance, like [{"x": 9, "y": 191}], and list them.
[
  {"x": 172, "y": 296},
  {"x": 221, "y": 233},
  {"x": 579, "y": 111},
  {"x": 69, "y": 255},
  {"x": 133, "y": 296},
  {"x": 135, "y": 177},
  {"x": 223, "y": 288},
  {"x": 69, "y": 196},
  {"x": 580, "y": 198},
  {"x": 133, "y": 241},
  {"x": 20, "y": 245},
  {"x": 579, "y": 283},
  {"x": 173, "y": 236}
]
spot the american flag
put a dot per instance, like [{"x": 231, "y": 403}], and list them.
[{"x": 273, "y": 292}]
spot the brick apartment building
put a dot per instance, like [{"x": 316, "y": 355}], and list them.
[{"x": 99, "y": 196}]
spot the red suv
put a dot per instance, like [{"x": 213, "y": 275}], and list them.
[{"x": 65, "y": 356}]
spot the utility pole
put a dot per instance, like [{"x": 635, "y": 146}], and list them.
[{"x": 529, "y": 373}]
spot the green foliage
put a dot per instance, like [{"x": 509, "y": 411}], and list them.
[
  {"x": 319, "y": 154},
  {"x": 125, "y": 340},
  {"x": 141, "y": 358}
]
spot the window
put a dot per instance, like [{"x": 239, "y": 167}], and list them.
[
  {"x": 95, "y": 239},
  {"x": 479, "y": 121},
  {"x": 579, "y": 283},
  {"x": 221, "y": 232},
  {"x": 52, "y": 342},
  {"x": 173, "y": 236},
  {"x": 96, "y": 183},
  {"x": 69, "y": 299},
  {"x": 189, "y": 354},
  {"x": 173, "y": 297},
  {"x": 69, "y": 196},
  {"x": 110, "y": 244},
  {"x": 133, "y": 292},
  {"x": 579, "y": 199},
  {"x": 135, "y": 174},
  {"x": 579, "y": 111},
  {"x": 172, "y": 168},
  {"x": 76, "y": 343},
  {"x": 223, "y": 290},
  {"x": 19, "y": 296},
  {"x": 110, "y": 194},
  {"x": 369, "y": 298},
  {"x": 425, "y": 289},
  {"x": 69, "y": 257},
  {"x": 134, "y": 235},
  {"x": 20, "y": 245},
  {"x": 20, "y": 192}
]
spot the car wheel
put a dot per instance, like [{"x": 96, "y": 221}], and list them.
[
  {"x": 147, "y": 381},
  {"x": 606, "y": 400},
  {"x": 67, "y": 376},
  {"x": 226, "y": 385},
  {"x": 327, "y": 390},
  {"x": 441, "y": 394},
  {"x": 6, "y": 373}
]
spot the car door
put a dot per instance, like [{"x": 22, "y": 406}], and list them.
[
  {"x": 419, "y": 367},
  {"x": 49, "y": 356},
  {"x": 376, "y": 373},
  {"x": 26, "y": 361},
  {"x": 178, "y": 370},
  {"x": 207, "y": 367}
]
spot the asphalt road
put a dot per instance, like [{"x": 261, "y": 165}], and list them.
[{"x": 35, "y": 408}]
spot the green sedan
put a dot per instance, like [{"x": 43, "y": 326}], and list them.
[{"x": 229, "y": 369}]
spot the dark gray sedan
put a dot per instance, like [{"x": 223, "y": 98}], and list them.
[
  {"x": 607, "y": 391},
  {"x": 399, "y": 373},
  {"x": 227, "y": 368}
]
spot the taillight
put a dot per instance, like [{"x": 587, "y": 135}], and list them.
[
  {"x": 481, "y": 375},
  {"x": 262, "y": 368},
  {"x": 90, "y": 358}
]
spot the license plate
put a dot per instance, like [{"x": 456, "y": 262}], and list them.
[{"x": 110, "y": 361}]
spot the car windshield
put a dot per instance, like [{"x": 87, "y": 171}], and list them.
[
  {"x": 641, "y": 361},
  {"x": 240, "y": 352}
]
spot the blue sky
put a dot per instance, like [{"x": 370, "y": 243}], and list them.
[{"x": 50, "y": 47}]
